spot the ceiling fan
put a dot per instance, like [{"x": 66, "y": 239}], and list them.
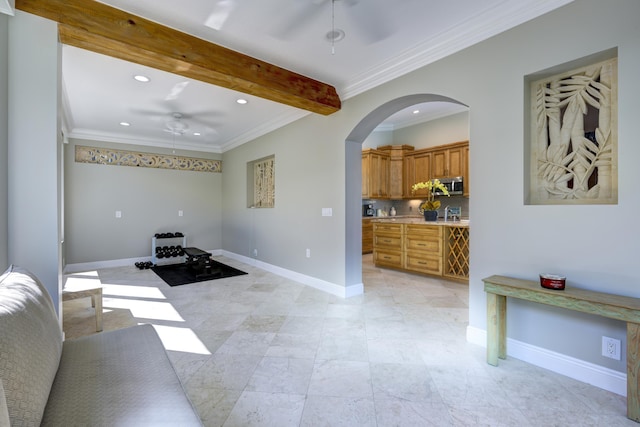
[
  {"x": 176, "y": 126},
  {"x": 367, "y": 18}
]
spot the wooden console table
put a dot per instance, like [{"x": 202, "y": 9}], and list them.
[{"x": 627, "y": 309}]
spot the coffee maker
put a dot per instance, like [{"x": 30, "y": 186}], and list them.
[{"x": 367, "y": 210}]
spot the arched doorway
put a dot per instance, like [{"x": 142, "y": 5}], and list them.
[{"x": 353, "y": 181}]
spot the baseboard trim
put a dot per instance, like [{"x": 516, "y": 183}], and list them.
[
  {"x": 331, "y": 288},
  {"x": 598, "y": 376}
]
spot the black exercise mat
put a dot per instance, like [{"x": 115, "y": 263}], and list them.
[{"x": 182, "y": 274}]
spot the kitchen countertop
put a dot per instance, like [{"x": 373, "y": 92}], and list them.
[{"x": 418, "y": 220}]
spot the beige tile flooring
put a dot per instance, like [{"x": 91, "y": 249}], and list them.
[{"x": 262, "y": 350}]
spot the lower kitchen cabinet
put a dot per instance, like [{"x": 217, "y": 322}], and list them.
[
  {"x": 423, "y": 248},
  {"x": 388, "y": 243},
  {"x": 367, "y": 236},
  {"x": 439, "y": 250},
  {"x": 457, "y": 252}
]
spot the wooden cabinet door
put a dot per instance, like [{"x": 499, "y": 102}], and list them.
[
  {"x": 365, "y": 175},
  {"x": 447, "y": 162},
  {"x": 439, "y": 163},
  {"x": 455, "y": 162},
  {"x": 465, "y": 170},
  {"x": 408, "y": 176},
  {"x": 375, "y": 174},
  {"x": 422, "y": 172}
]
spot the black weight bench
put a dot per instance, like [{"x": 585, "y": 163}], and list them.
[{"x": 200, "y": 261}]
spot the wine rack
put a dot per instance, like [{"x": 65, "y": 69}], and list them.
[
  {"x": 174, "y": 244},
  {"x": 457, "y": 252}
]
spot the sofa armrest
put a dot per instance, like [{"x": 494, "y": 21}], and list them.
[{"x": 121, "y": 377}]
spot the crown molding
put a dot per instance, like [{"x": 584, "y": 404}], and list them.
[
  {"x": 8, "y": 7},
  {"x": 483, "y": 26}
]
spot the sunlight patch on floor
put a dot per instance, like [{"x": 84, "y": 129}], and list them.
[
  {"x": 132, "y": 291},
  {"x": 145, "y": 309},
  {"x": 181, "y": 339}
]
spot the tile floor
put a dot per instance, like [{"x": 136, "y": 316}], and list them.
[{"x": 262, "y": 350}]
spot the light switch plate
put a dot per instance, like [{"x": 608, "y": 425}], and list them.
[{"x": 327, "y": 212}]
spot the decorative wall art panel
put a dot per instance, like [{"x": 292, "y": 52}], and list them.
[
  {"x": 106, "y": 156},
  {"x": 574, "y": 142},
  {"x": 264, "y": 183}
]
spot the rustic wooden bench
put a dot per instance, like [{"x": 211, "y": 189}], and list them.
[{"x": 618, "y": 307}]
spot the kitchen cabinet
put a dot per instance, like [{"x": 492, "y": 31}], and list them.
[
  {"x": 375, "y": 174},
  {"x": 397, "y": 155},
  {"x": 457, "y": 252},
  {"x": 423, "y": 248},
  {"x": 388, "y": 243},
  {"x": 436, "y": 249},
  {"x": 367, "y": 235},
  {"x": 444, "y": 161},
  {"x": 447, "y": 162},
  {"x": 465, "y": 170},
  {"x": 418, "y": 169}
]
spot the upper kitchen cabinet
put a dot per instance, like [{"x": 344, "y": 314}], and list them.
[
  {"x": 417, "y": 168},
  {"x": 375, "y": 174},
  {"x": 397, "y": 178},
  {"x": 448, "y": 161},
  {"x": 443, "y": 161}
]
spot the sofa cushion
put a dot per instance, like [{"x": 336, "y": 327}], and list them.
[
  {"x": 4, "y": 411},
  {"x": 122, "y": 377},
  {"x": 30, "y": 345}
]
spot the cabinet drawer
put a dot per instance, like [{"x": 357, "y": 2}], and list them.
[
  {"x": 386, "y": 227},
  {"x": 388, "y": 258},
  {"x": 424, "y": 230},
  {"x": 389, "y": 241},
  {"x": 421, "y": 243},
  {"x": 423, "y": 263}
]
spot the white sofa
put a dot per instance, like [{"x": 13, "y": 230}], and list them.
[{"x": 117, "y": 378}]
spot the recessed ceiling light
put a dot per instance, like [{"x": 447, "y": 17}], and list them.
[
  {"x": 416, "y": 111},
  {"x": 196, "y": 134},
  {"x": 125, "y": 124},
  {"x": 141, "y": 78},
  {"x": 241, "y": 101}
]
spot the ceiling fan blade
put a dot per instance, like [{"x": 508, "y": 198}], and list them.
[
  {"x": 303, "y": 14},
  {"x": 372, "y": 24},
  {"x": 176, "y": 90},
  {"x": 220, "y": 13}
]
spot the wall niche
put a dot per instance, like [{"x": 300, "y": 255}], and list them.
[{"x": 573, "y": 133}]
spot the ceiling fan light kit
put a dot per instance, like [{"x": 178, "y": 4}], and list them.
[{"x": 177, "y": 126}]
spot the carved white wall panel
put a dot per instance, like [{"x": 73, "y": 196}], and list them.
[
  {"x": 264, "y": 183},
  {"x": 105, "y": 156},
  {"x": 574, "y": 136}
]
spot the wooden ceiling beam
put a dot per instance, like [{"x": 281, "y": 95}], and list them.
[{"x": 97, "y": 27}]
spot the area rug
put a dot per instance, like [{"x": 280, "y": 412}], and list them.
[{"x": 182, "y": 274}]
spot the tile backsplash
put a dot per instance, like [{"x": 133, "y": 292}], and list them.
[{"x": 410, "y": 207}]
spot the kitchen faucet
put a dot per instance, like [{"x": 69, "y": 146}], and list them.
[{"x": 446, "y": 213}]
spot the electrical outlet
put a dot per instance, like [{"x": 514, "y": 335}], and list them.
[
  {"x": 308, "y": 253},
  {"x": 255, "y": 252},
  {"x": 611, "y": 348}
]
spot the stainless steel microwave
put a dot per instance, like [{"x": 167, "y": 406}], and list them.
[{"x": 455, "y": 186}]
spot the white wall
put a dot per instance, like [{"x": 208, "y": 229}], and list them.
[
  {"x": 593, "y": 245},
  {"x": 33, "y": 160},
  {"x": 4, "y": 112},
  {"x": 445, "y": 130},
  {"x": 149, "y": 200}
]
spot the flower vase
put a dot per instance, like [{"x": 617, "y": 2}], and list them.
[{"x": 430, "y": 215}]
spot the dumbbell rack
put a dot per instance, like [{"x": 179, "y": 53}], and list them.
[{"x": 157, "y": 242}]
